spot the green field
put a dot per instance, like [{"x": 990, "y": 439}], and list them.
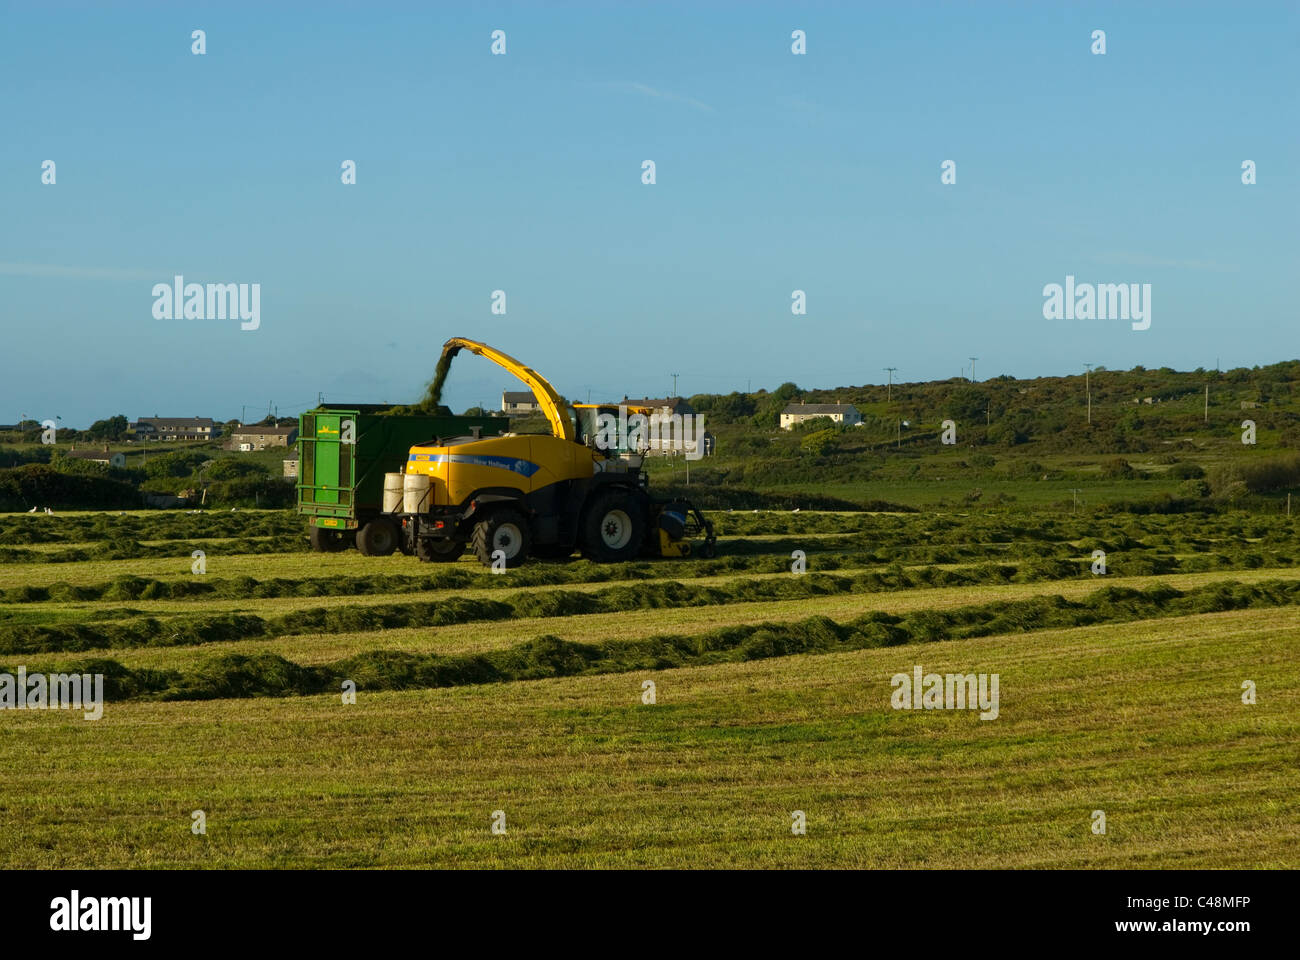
[{"x": 522, "y": 693}]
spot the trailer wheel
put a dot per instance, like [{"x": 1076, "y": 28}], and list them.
[
  {"x": 378, "y": 538},
  {"x": 438, "y": 551},
  {"x": 325, "y": 541},
  {"x": 613, "y": 528},
  {"x": 504, "y": 530}
]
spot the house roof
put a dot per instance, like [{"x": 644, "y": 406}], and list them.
[
  {"x": 262, "y": 430},
  {"x": 819, "y": 409},
  {"x": 672, "y": 403},
  {"x": 518, "y": 396},
  {"x": 176, "y": 423}
]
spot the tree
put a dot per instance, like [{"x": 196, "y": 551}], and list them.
[
  {"x": 177, "y": 464},
  {"x": 114, "y": 428},
  {"x": 769, "y": 415}
]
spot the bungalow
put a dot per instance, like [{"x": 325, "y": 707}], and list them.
[
  {"x": 796, "y": 413},
  {"x": 98, "y": 456}
]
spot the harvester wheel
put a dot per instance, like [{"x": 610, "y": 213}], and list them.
[
  {"x": 613, "y": 528},
  {"x": 378, "y": 538},
  {"x": 325, "y": 541},
  {"x": 438, "y": 551},
  {"x": 506, "y": 531}
]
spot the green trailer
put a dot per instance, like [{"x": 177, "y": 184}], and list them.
[{"x": 344, "y": 450}]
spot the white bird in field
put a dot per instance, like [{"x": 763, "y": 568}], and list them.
[
  {"x": 49, "y": 511},
  {"x": 32, "y": 510},
  {"x": 795, "y": 510}
]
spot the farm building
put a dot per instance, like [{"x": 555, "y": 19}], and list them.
[
  {"x": 261, "y": 436},
  {"x": 291, "y": 466},
  {"x": 518, "y": 402},
  {"x": 176, "y": 428},
  {"x": 796, "y": 413}
]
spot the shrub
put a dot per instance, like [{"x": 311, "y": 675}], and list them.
[
  {"x": 1118, "y": 469},
  {"x": 232, "y": 468},
  {"x": 818, "y": 443}
]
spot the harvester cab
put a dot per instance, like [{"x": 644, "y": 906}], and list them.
[{"x": 512, "y": 496}]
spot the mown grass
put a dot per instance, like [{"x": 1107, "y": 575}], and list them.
[
  {"x": 317, "y": 648},
  {"x": 1143, "y": 721},
  {"x": 1141, "y": 717}
]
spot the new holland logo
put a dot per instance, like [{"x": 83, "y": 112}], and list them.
[{"x": 525, "y": 467}]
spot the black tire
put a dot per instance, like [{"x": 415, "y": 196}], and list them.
[
  {"x": 378, "y": 538},
  {"x": 504, "y": 530},
  {"x": 613, "y": 528},
  {"x": 438, "y": 551},
  {"x": 325, "y": 541}
]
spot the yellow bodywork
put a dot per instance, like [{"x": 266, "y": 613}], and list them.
[
  {"x": 520, "y": 461},
  {"x": 547, "y": 398}
]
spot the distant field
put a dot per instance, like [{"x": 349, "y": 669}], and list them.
[
  {"x": 773, "y": 695},
  {"x": 953, "y": 491}
]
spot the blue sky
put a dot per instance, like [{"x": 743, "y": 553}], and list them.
[{"x": 522, "y": 172}]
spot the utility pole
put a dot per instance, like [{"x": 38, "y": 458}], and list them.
[
  {"x": 1207, "y": 405},
  {"x": 972, "y": 368},
  {"x": 889, "y": 389},
  {"x": 243, "y": 415},
  {"x": 674, "y": 384},
  {"x": 1075, "y": 491},
  {"x": 1087, "y": 387}
]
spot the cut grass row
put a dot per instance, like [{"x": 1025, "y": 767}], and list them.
[
  {"x": 472, "y": 577},
  {"x": 1142, "y": 720},
  {"x": 86, "y": 537},
  {"x": 316, "y": 648},
  {"x": 239, "y": 675}
]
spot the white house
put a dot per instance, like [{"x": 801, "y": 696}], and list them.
[{"x": 796, "y": 413}]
